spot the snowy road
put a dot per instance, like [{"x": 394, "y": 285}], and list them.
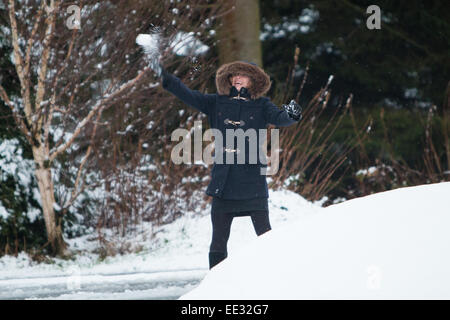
[
  {"x": 170, "y": 265},
  {"x": 155, "y": 285}
]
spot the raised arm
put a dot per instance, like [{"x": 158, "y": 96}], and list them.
[
  {"x": 199, "y": 101},
  {"x": 280, "y": 116}
]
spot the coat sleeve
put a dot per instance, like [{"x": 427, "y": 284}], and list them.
[
  {"x": 277, "y": 116},
  {"x": 197, "y": 100}
]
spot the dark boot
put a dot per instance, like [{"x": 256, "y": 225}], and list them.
[{"x": 216, "y": 257}]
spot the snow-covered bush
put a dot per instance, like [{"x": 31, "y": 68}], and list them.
[{"x": 21, "y": 223}]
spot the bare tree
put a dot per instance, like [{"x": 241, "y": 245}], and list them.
[{"x": 71, "y": 69}]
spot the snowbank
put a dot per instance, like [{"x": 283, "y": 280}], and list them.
[
  {"x": 178, "y": 253},
  {"x": 390, "y": 245}
]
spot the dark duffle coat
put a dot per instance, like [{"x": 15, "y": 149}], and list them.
[{"x": 243, "y": 181}]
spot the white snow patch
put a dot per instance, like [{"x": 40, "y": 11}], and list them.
[
  {"x": 390, "y": 245},
  {"x": 14, "y": 165},
  {"x": 185, "y": 44},
  {"x": 180, "y": 248},
  {"x": 150, "y": 42},
  {"x": 3, "y": 212},
  {"x": 366, "y": 172}
]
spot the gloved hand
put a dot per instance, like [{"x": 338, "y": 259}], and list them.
[{"x": 294, "y": 110}]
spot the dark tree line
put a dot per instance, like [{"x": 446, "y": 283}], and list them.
[{"x": 405, "y": 64}]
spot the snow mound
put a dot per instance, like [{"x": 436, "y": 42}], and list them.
[{"x": 390, "y": 245}]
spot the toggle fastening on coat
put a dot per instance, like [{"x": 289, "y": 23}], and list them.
[{"x": 230, "y": 109}]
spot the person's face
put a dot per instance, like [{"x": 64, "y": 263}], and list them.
[{"x": 240, "y": 81}]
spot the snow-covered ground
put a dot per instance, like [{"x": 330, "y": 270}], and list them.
[
  {"x": 169, "y": 265},
  {"x": 390, "y": 245}
]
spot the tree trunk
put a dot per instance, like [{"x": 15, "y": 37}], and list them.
[
  {"x": 45, "y": 183},
  {"x": 239, "y": 33}
]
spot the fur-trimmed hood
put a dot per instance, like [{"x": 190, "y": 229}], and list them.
[{"x": 260, "y": 81}]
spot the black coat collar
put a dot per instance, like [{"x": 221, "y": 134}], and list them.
[{"x": 241, "y": 94}]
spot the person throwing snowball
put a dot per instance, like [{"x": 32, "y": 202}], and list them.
[{"x": 237, "y": 189}]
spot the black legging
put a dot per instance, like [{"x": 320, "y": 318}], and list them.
[{"x": 221, "y": 223}]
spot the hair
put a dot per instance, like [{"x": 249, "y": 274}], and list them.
[{"x": 259, "y": 80}]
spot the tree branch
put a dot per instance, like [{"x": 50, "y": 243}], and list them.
[
  {"x": 18, "y": 61},
  {"x": 49, "y": 32},
  {"x": 76, "y": 192},
  {"x": 97, "y": 107},
  {"x": 30, "y": 40}
]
